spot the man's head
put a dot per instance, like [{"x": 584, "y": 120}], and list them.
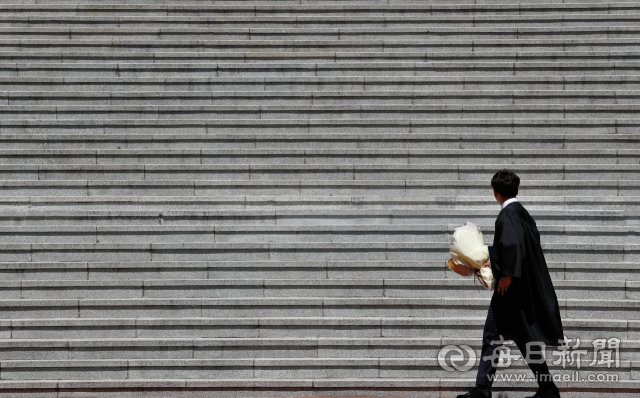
[{"x": 505, "y": 185}]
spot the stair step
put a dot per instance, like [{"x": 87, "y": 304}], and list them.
[
  {"x": 243, "y": 348},
  {"x": 328, "y": 55},
  {"x": 275, "y": 368},
  {"x": 461, "y": 204},
  {"x": 304, "y": 69},
  {"x": 257, "y": 128},
  {"x": 366, "y": 111},
  {"x": 305, "y": 269},
  {"x": 294, "y": 288},
  {"x": 33, "y": 100},
  {"x": 288, "y": 251},
  {"x": 428, "y": 387},
  {"x": 407, "y": 188},
  {"x": 295, "y": 327},
  {"x": 332, "y": 33},
  {"x": 294, "y": 307},
  {"x": 434, "y": 45},
  {"x": 200, "y": 19},
  {"x": 458, "y": 203},
  {"x": 492, "y": 143},
  {"x": 308, "y": 216},
  {"x": 287, "y": 155},
  {"x": 111, "y": 234},
  {"x": 257, "y": 8},
  {"x": 304, "y": 84},
  {"x": 579, "y": 173}
]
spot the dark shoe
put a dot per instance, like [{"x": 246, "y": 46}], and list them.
[
  {"x": 547, "y": 391},
  {"x": 477, "y": 392}
]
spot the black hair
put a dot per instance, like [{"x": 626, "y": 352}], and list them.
[{"x": 506, "y": 183}]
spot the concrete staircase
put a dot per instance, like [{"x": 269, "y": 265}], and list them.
[{"x": 256, "y": 198}]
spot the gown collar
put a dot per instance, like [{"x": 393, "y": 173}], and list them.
[{"x": 506, "y": 202}]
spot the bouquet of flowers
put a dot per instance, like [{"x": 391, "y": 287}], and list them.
[{"x": 469, "y": 253}]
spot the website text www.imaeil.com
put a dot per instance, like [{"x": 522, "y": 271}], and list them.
[{"x": 557, "y": 377}]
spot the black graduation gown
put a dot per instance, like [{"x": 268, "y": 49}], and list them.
[{"x": 529, "y": 310}]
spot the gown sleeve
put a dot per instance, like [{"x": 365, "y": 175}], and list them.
[{"x": 510, "y": 246}]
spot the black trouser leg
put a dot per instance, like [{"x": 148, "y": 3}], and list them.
[
  {"x": 489, "y": 334},
  {"x": 540, "y": 370},
  {"x": 486, "y": 368}
]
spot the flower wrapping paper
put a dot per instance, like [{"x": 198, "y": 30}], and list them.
[{"x": 469, "y": 253}]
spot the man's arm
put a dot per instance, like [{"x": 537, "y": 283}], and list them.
[
  {"x": 510, "y": 248},
  {"x": 505, "y": 281},
  {"x": 504, "y": 284}
]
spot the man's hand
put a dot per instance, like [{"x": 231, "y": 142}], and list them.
[{"x": 505, "y": 282}]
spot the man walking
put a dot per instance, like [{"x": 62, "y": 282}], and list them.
[{"x": 524, "y": 307}]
